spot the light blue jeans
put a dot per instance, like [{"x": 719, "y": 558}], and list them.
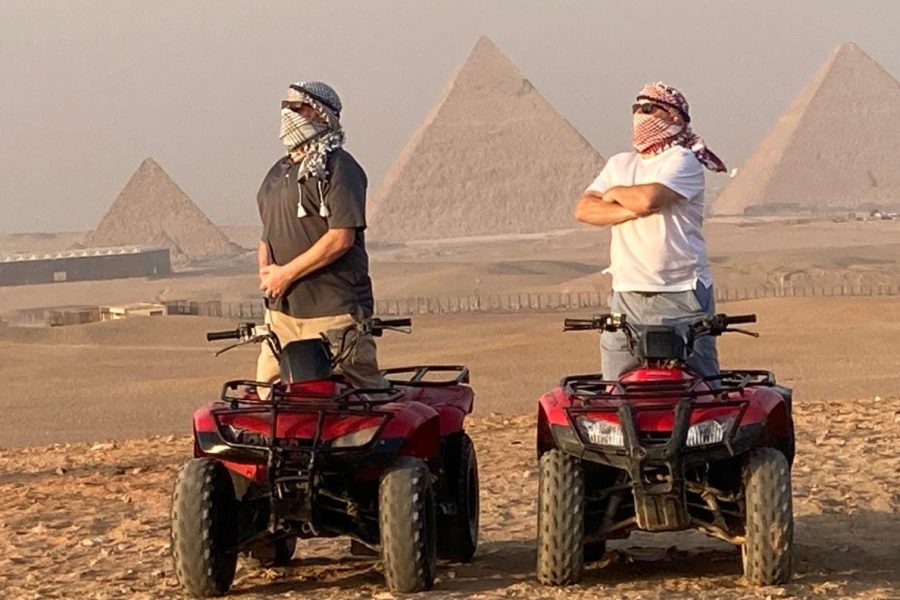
[{"x": 662, "y": 308}]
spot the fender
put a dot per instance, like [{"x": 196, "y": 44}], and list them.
[
  {"x": 419, "y": 425},
  {"x": 451, "y": 419},
  {"x": 551, "y": 412}
]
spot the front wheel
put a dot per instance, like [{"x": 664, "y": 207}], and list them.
[
  {"x": 767, "y": 551},
  {"x": 407, "y": 522},
  {"x": 204, "y": 528},
  {"x": 560, "y": 535}
]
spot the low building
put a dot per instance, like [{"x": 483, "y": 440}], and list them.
[
  {"x": 84, "y": 265},
  {"x": 141, "y": 309}
]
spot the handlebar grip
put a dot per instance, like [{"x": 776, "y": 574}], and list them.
[
  {"x": 580, "y": 324},
  {"x": 738, "y": 319},
  {"x": 404, "y": 322},
  {"x": 213, "y": 336}
]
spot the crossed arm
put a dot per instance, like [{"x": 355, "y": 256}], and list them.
[
  {"x": 623, "y": 203},
  {"x": 275, "y": 279}
]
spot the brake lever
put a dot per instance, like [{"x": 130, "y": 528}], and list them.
[
  {"x": 406, "y": 330},
  {"x": 253, "y": 340},
  {"x": 744, "y": 331}
]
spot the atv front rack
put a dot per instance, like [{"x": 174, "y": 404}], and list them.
[
  {"x": 418, "y": 374},
  {"x": 593, "y": 387},
  {"x": 656, "y": 466}
]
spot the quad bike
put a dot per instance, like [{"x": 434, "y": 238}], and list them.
[
  {"x": 665, "y": 449},
  {"x": 393, "y": 469}
]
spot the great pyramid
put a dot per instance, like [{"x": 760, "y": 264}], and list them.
[
  {"x": 151, "y": 210},
  {"x": 836, "y": 148},
  {"x": 492, "y": 157}
]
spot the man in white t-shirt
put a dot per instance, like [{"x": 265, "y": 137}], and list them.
[{"x": 653, "y": 200}]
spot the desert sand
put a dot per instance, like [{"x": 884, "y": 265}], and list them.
[{"x": 89, "y": 518}]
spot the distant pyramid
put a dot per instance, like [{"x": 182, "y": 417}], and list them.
[
  {"x": 492, "y": 157},
  {"x": 151, "y": 210},
  {"x": 836, "y": 148}
]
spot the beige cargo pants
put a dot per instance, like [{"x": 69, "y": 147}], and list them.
[{"x": 361, "y": 367}]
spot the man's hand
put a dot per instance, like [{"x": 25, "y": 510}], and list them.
[
  {"x": 274, "y": 280},
  {"x": 595, "y": 210},
  {"x": 644, "y": 199}
]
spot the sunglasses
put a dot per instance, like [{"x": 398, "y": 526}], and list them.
[
  {"x": 295, "y": 106},
  {"x": 646, "y": 108}
]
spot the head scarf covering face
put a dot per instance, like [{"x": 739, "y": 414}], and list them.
[
  {"x": 652, "y": 135},
  {"x": 308, "y": 141},
  {"x": 296, "y": 130},
  {"x": 314, "y": 140}
]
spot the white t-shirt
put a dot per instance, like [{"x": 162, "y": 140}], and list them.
[{"x": 664, "y": 251}]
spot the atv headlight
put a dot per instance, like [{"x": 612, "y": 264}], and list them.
[
  {"x": 361, "y": 437},
  {"x": 601, "y": 433},
  {"x": 708, "y": 432}
]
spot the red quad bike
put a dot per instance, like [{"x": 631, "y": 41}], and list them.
[
  {"x": 392, "y": 469},
  {"x": 665, "y": 449}
]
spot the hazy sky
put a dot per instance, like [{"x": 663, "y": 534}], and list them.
[{"x": 90, "y": 88}]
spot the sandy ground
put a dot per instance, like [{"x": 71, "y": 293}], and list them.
[{"x": 91, "y": 521}]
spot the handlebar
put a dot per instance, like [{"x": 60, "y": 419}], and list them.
[
  {"x": 213, "y": 336},
  {"x": 607, "y": 322},
  {"x": 738, "y": 319},
  {"x": 717, "y": 325},
  {"x": 404, "y": 322}
]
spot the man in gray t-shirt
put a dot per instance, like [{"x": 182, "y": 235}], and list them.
[{"x": 313, "y": 266}]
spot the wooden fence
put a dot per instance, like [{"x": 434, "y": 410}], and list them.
[
  {"x": 538, "y": 301},
  {"x": 422, "y": 305}
]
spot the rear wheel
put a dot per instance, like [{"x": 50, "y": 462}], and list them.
[
  {"x": 560, "y": 552},
  {"x": 767, "y": 551},
  {"x": 407, "y": 522},
  {"x": 204, "y": 528},
  {"x": 458, "y": 532}
]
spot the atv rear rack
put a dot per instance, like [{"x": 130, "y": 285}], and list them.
[
  {"x": 352, "y": 398},
  {"x": 419, "y": 372},
  {"x": 356, "y": 402},
  {"x": 587, "y": 388}
]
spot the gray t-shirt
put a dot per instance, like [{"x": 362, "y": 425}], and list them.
[{"x": 344, "y": 286}]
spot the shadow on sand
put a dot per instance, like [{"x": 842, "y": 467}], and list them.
[{"x": 822, "y": 555}]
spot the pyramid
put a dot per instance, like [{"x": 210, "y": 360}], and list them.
[
  {"x": 492, "y": 157},
  {"x": 151, "y": 210},
  {"x": 835, "y": 149}
]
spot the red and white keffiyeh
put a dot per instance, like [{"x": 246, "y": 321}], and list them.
[{"x": 652, "y": 135}]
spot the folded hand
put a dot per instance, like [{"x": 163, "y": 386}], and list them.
[{"x": 274, "y": 280}]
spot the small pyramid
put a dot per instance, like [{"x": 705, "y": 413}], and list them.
[
  {"x": 835, "y": 149},
  {"x": 492, "y": 157},
  {"x": 151, "y": 210}
]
